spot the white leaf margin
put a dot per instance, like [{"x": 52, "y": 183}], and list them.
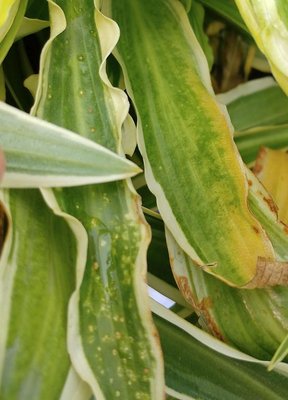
[
  {"x": 208, "y": 340},
  {"x": 73, "y": 383},
  {"x": 33, "y": 180},
  {"x": 246, "y": 89}
]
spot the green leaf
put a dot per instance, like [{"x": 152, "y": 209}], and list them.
[
  {"x": 195, "y": 370},
  {"x": 249, "y": 142},
  {"x": 244, "y": 319},
  {"x": 280, "y": 354},
  {"x": 37, "y": 277},
  {"x": 111, "y": 337},
  {"x": 187, "y": 5},
  {"x": 129, "y": 140},
  {"x": 268, "y": 24},
  {"x": 228, "y": 10},
  {"x": 196, "y": 16},
  {"x": 12, "y": 14},
  {"x": 39, "y": 154},
  {"x": 256, "y": 103},
  {"x": 210, "y": 341},
  {"x": 31, "y": 83},
  {"x": 30, "y": 26},
  {"x": 181, "y": 126},
  {"x": 259, "y": 316},
  {"x": 258, "y": 111}
]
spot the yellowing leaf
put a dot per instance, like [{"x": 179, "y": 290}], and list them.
[
  {"x": 268, "y": 22},
  {"x": 191, "y": 163},
  {"x": 272, "y": 170},
  {"x": 8, "y": 10}
]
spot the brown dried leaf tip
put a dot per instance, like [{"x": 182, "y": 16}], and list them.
[{"x": 269, "y": 273}]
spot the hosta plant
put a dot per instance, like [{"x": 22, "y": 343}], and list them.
[{"x": 119, "y": 88}]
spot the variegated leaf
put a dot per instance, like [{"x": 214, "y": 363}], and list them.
[
  {"x": 191, "y": 163},
  {"x": 260, "y": 102},
  {"x": 249, "y": 142},
  {"x": 195, "y": 370},
  {"x": 260, "y": 318},
  {"x": 111, "y": 337},
  {"x": 40, "y": 154},
  {"x": 37, "y": 278},
  {"x": 267, "y": 21},
  {"x": 272, "y": 169},
  {"x": 258, "y": 111}
]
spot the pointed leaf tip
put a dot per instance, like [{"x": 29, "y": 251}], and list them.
[{"x": 40, "y": 154}]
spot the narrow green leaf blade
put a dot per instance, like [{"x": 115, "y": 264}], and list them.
[
  {"x": 39, "y": 154},
  {"x": 280, "y": 354},
  {"x": 249, "y": 142},
  {"x": 260, "y": 102},
  {"x": 196, "y": 17},
  {"x": 254, "y": 330},
  {"x": 260, "y": 317},
  {"x": 258, "y": 111},
  {"x": 228, "y": 10},
  {"x": 37, "y": 277},
  {"x": 111, "y": 337},
  {"x": 181, "y": 126},
  {"x": 195, "y": 370}
]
